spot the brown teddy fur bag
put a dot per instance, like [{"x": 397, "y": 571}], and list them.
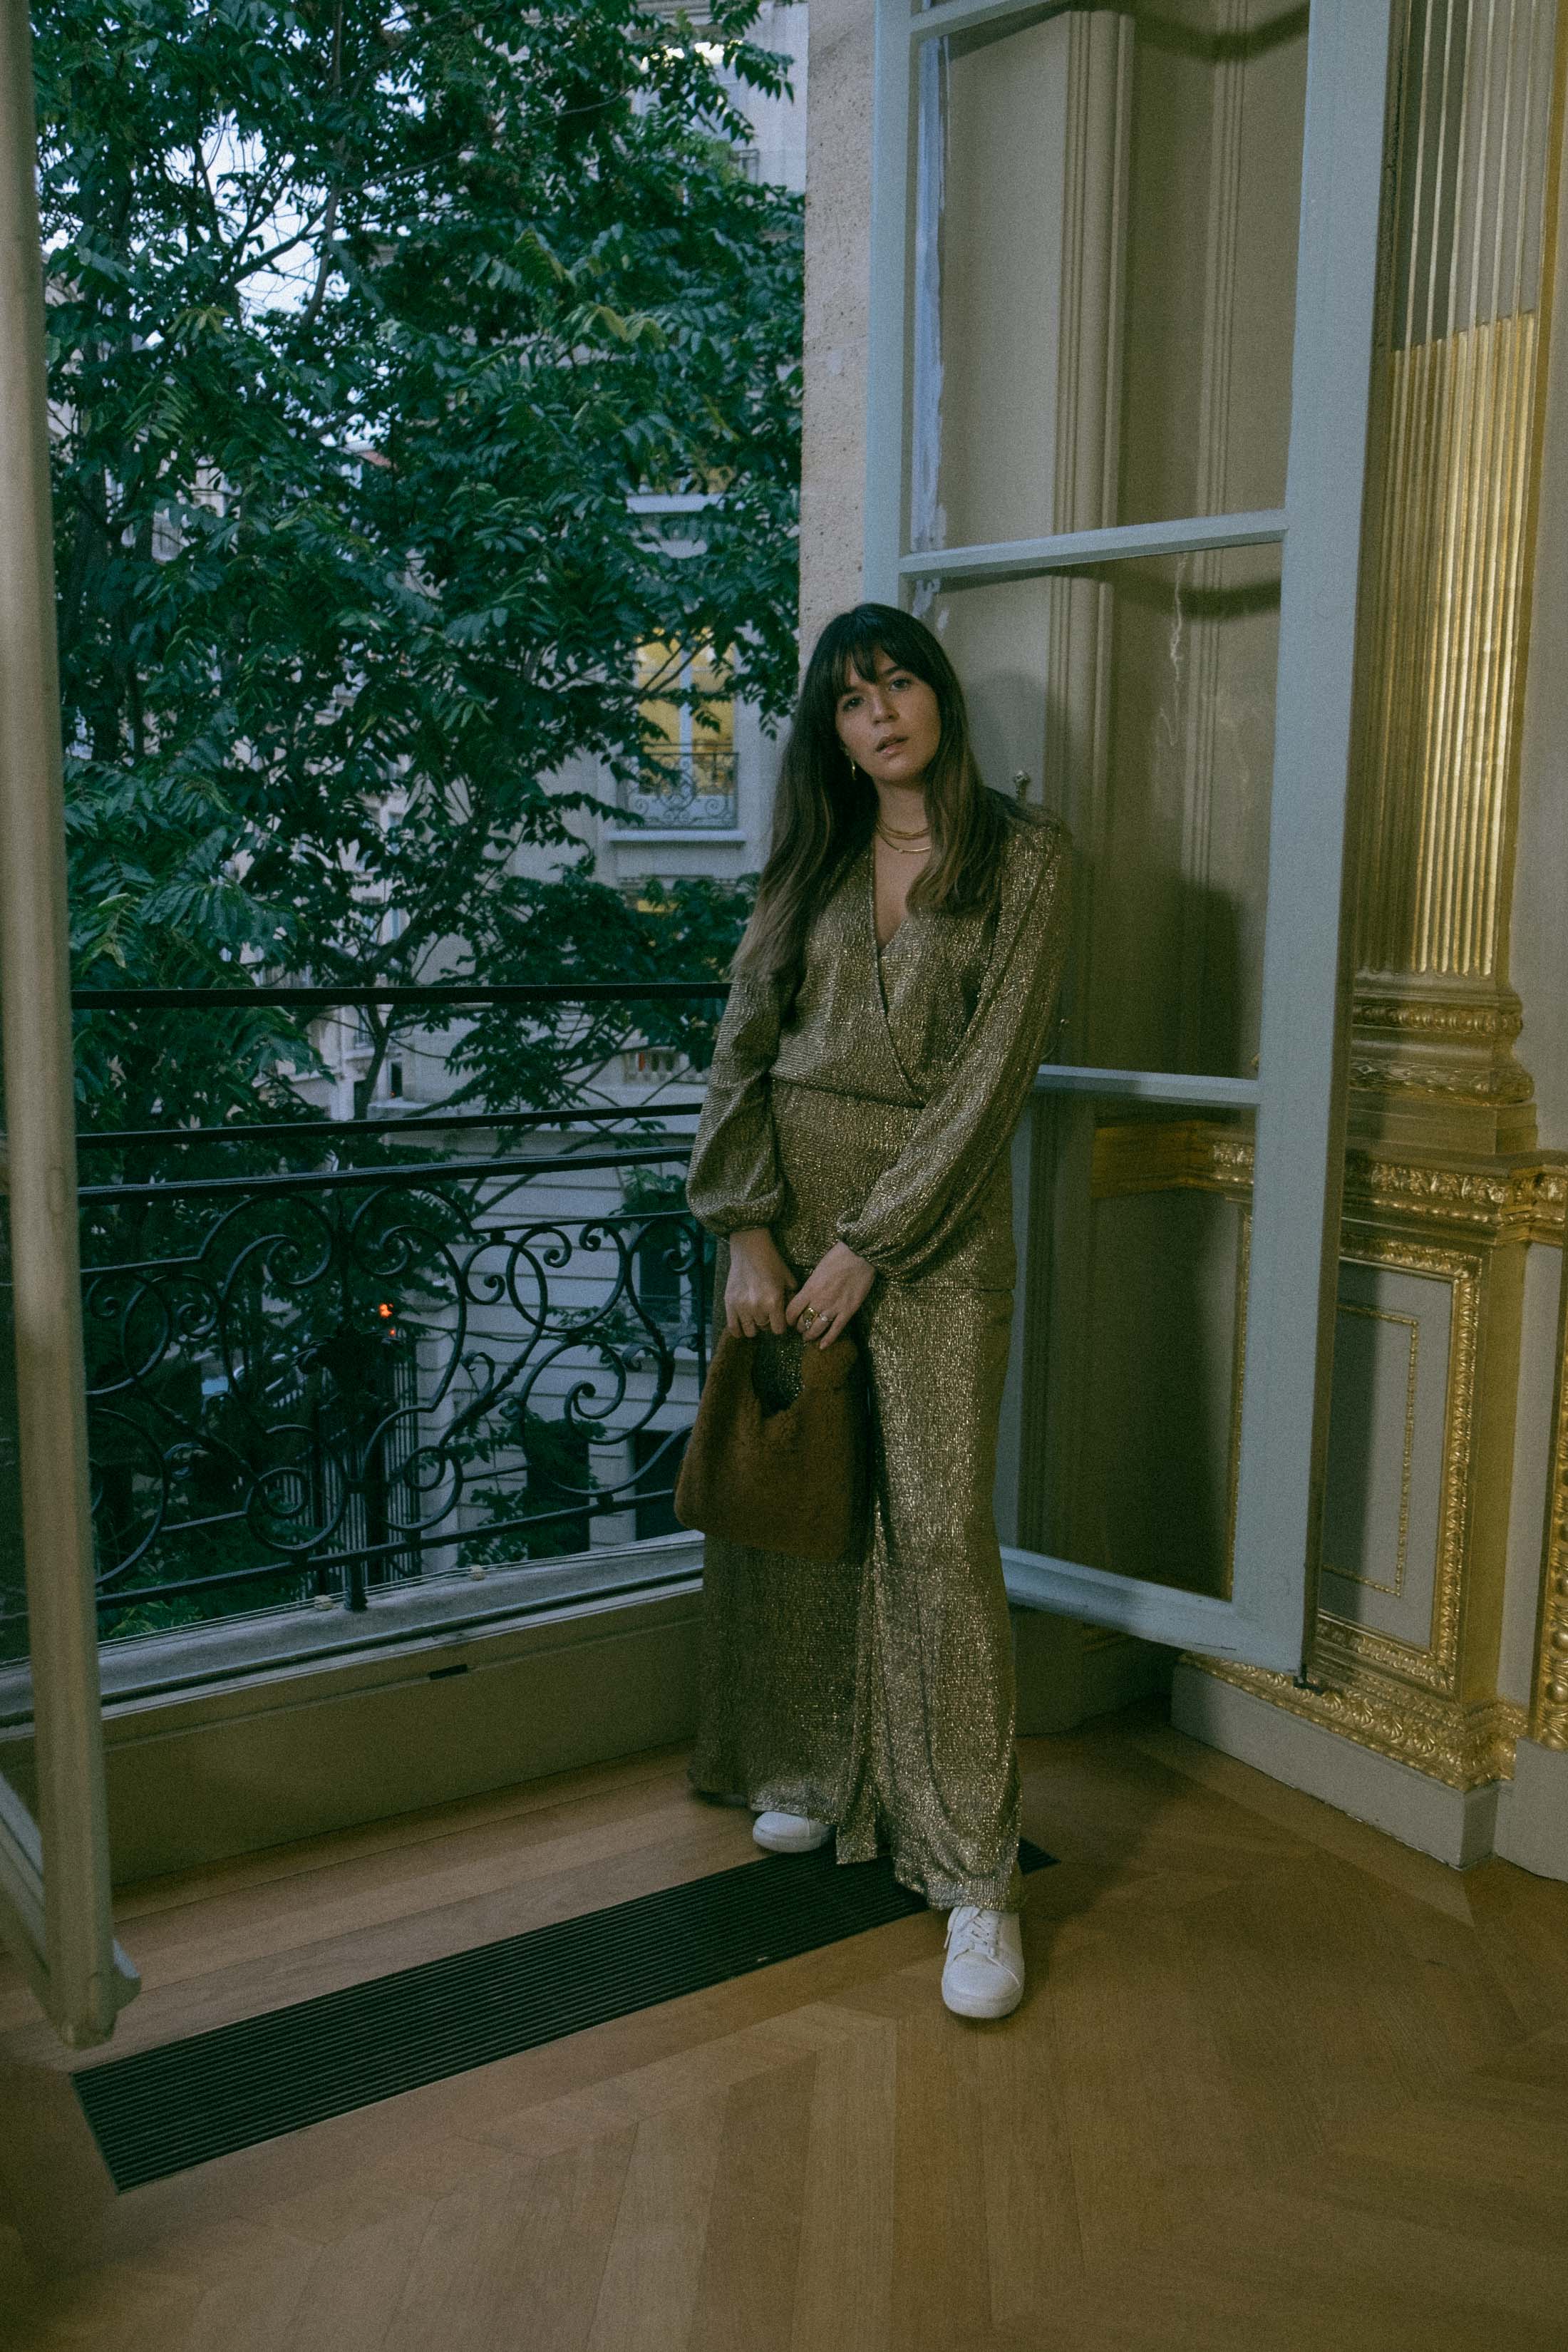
[{"x": 792, "y": 1479}]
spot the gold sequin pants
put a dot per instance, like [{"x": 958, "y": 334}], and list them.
[{"x": 876, "y": 1692}]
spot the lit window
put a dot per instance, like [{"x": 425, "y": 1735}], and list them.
[{"x": 689, "y": 760}]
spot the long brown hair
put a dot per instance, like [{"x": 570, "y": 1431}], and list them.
[{"x": 825, "y": 808}]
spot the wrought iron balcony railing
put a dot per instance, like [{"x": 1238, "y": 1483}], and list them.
[
  {"x": 310, "y": 1385},
  {"x": 693, "y": 789}
]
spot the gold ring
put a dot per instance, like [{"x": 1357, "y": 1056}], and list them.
[{"x": 808, "y": 1315}]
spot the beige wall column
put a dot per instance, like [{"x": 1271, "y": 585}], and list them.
[{"x": 837, "y": 302}]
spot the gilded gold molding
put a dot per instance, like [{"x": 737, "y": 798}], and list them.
[
  {"x": 1440, "y": 1039},
  {"x": 1353, "y": 1652},
  {"x": 1396, "y": 1698},
  {"x": 1340, "y": 1647},
  {"x": 1492, "y": 1083},
  {"x": 1483, "y": 1020},
  {"x": 1151, "y": 1156},
  {"x": 1519, "y": 1201},
  {"x": 1160, "y": 1155},
  {"x": 1463, "y": 1746},
  {"x": 1509, "y": 1201},
  {"x": 1549, "y": 1698}
]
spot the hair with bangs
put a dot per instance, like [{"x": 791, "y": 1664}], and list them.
[{"x": 825, "y": 806}]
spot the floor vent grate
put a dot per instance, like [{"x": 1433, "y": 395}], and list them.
[{"x": 188, "y": 2102}]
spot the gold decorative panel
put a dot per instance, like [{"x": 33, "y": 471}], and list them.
[
  {"x": 1416, "y": 1634},
  {"x": 1397, "y": 1478},
  {"x": 1387, "y": 1667}
]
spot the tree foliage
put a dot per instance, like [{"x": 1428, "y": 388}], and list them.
[{"x": 366, "y": 326}]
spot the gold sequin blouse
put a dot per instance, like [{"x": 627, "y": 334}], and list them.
[{"x": 949, "y": 1020}]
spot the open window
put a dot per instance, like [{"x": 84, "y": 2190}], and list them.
[
  {"x": 1123, "y": 263},
  {"x": 53, "y": 1848}
]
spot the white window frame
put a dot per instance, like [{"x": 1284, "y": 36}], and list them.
[
  {"x": 54, "y": 1870},
  {"x": 1299, "y": 1096}
]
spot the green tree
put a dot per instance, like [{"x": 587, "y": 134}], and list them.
[{"x": 364, "y": 324}]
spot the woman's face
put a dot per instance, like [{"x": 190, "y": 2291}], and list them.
[{"x": 890, "y": 725}]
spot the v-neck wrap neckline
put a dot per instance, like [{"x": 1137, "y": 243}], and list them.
[{"x": 901, "y": 926}]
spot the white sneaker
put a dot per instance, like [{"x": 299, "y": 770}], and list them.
[
  {"x": 790, "y": 1832},
  {"x": 983, "y": 1974}
]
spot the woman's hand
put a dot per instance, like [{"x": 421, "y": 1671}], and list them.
[
  {"x": 834, "y": 1291},
  {"x": 759, "y": 1285}
]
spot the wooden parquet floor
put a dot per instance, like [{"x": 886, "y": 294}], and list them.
[{"x": 1278, "y": 2083}]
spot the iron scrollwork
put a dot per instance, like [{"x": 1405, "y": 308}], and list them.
[
  {"x": 311, "y": 1386},
  {"x": 694, "y": 787}
]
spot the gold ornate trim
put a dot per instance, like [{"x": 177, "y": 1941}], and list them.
[
  {"x": 1519, "y": 1201},
  {"x": 1398, "y": 1698},
  {"x": 1549, "y": 1701},
  {"x": 1438, "y": 1037},
  {"x": 1340, "y": 1647},
  {"x": 1522, "y": 1201},
  {"x": 1465, "y": 1748},
  {"x": 1489, "y": 1083},
  {"x": 1167, "y": 1155},
  {"x": 1490, "y": 1021},
  {"x": 1171, "y": 1155}
]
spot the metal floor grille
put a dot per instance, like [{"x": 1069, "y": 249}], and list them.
[{"x": 188, "y": 2102}]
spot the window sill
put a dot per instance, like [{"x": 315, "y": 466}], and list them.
[
  {"x": 405, "y": 1706},
  {"x": 640, "y": 834},
  {"x": 234, "y": 1649}
]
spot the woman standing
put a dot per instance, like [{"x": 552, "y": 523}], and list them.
[{"x": 891, "y": 1001}]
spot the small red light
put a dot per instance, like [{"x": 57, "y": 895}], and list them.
[{"x": 385, "y": 1311}]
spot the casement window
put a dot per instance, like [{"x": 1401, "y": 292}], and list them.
[
  {"x": 689, "y": 755},
  {"x": 1122, "y": 289}
]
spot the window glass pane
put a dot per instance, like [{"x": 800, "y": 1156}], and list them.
[
  {"x": 1137, "y": 1384},
  {"x": 1105, "y": 269},
  {"x": 1139, "y": 695}
]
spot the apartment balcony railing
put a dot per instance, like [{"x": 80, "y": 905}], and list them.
[
  {"x": 312, "y": 1385},
  {"x": 690, "y": 790}
]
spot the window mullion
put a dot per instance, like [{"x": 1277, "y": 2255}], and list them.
[{"x": 1020, "y": 559}]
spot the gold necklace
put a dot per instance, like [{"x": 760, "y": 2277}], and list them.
[
  {"x": 897, "y": 833},
  {"x": 912, "y": 846}
]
